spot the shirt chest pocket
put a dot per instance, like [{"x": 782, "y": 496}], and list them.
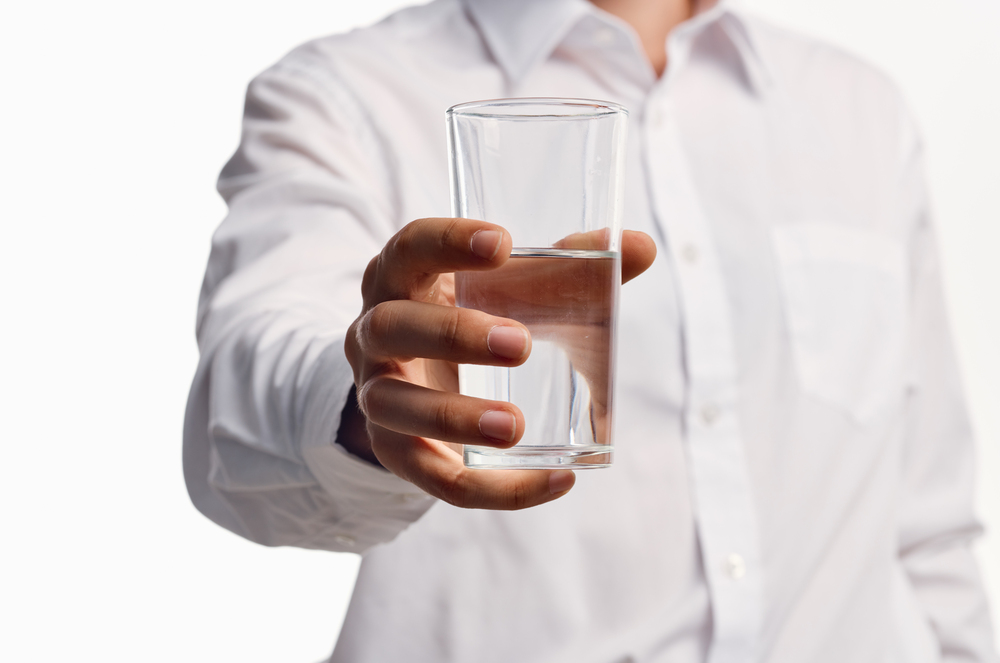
[{"x": 845, "y": 298}]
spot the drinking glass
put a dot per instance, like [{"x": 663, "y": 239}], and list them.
[{"x": 550, "y": 172}]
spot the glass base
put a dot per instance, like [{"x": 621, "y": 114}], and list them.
[{"x": 539, "y": 458}]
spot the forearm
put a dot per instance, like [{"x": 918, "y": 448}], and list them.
[
  {"x": 306, "y": 212},
  {"x": 260, "y": 453}
]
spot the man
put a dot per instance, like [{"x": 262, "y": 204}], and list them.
[{"x": 792, "y": 479}]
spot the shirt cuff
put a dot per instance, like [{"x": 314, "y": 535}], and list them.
[{"x": 377, "y": 505}]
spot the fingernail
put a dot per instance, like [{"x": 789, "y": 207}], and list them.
[
  {"x": 507, "y": 342},
  {"x": 498, "y": 425},
  {"x": 560, "y": 481},
  {"x": 486, "y": 243}
]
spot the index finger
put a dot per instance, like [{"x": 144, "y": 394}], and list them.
[{"x": 410, "y": 262}]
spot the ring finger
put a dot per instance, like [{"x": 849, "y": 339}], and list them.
[{"x": 407, "y": 408}]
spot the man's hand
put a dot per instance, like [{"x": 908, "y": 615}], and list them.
[{"x": 405, "y": 348}]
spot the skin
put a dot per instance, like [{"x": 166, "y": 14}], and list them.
[{"x": 405, "y": 413}]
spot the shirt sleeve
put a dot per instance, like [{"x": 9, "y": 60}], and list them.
[
  {"x": 310, "y": 203},
  {"x": 937, "y": 519}
]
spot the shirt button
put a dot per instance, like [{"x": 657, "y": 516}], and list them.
[
  {"x": 657, "y": 117},
  {"x": 710, "y": 414},
  {"x": 344, "y": 540},
  {"x": 736, "y": 568},
  {"x": 690, "y": 253}
]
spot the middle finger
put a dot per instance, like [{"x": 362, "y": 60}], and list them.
[{"x": 405, "y": 329}]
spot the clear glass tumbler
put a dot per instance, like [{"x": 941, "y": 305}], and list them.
[{"x": 550, "y": 171}]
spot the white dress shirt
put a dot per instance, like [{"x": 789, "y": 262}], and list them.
[{"x": 793, "y": 470}]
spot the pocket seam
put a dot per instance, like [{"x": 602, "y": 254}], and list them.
[{"x": 848, "y": 348}]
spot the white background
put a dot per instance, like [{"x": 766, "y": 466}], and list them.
[{"x": 116, "y": 117}]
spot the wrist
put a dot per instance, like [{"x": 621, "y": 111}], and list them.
[{"x": 352, "y": 434}]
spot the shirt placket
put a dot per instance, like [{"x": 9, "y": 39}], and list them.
[{"x": 725, "y": 513}]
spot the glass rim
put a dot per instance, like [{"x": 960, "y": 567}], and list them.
[{"x": 582, "y": 108}]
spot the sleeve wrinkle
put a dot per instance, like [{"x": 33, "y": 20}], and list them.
[{"x": 310, "y": 201}]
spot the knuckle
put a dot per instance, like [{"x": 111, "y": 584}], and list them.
[
  {"x": 452, "y": 490},
  {"x": 451, "y": 326},
  {"x": 445, "y": 417},
  {"x": 404, "y": 261},
  {"x": 362, "y": 337},
  {"x": 368, "y": 399},
  {"x": 379, "y": 323},
  {"x": 370, "y": 278},
  {"x": 402, "y": 242},
  {"x": 375, "y": 394},
  {"x": 351, "y": 344},
  {"x": 354, "y": 357},
  {"x": 379, "y": 329},
  {"x": 450, "y": 234},
  {"x": 516, "y": 496}
]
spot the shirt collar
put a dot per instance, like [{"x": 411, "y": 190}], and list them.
[
  {"x": 523, "y": 33},
  {"x": 741, "y": 32}
]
